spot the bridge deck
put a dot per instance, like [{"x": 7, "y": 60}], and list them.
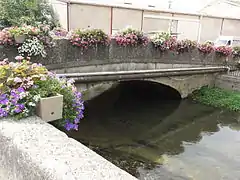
[{"x": 141, "y": 74}]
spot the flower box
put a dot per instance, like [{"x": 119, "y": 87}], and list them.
[
  {"x": 50, "y": 108},
  {"x": 20, "y": 39}
]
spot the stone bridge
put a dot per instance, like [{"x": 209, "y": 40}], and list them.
[
  {"x": 184, "y": 80},
  {"x": 100, "y": 68}
]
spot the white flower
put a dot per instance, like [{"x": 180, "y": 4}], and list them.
[
  {"x": 36, "y": 98},
  {"x": 31, "y": 104}
]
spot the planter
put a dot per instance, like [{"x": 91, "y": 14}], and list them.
[
  {"x": 20, "y": 39},
  {"x": 50, "y": 108}
]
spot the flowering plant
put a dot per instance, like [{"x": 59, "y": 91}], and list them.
[
  {"x": 32, "y": 47},
  {"x": 22, "y": 84},
  {"x": 236, "y": 51},
  {"x": 206, "y": 48},
  {"x": 131, "y": 37},
  {"x": 6, "y": 37},
  {"x": 164, "y": 41},
  {"x": 185, "y": 45},
  {"x": 24, "y": 30},
  {"x": 223, "y": 51},
  {"x": 58, "y": 33},
  {"x": 89, "y": 38}
]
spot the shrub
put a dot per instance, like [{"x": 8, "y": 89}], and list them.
[
  {"x": 130, "y": 37},
  {"x": 31, "y": 12},
  {"x": 89, "y": 38},
  {"x": 206, "y": 48},
  {"x": 23, "y": 83},
  {"x": 236, "y": 51},
  {"x": 223, "y": 51},
  {"x": 164, "y": 41},
  {"x": 186, "y": 45}
]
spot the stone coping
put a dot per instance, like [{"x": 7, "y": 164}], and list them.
[{"x": 34, "y": 150}]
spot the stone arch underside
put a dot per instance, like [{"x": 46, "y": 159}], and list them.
[{"x": 185, "y": 85}]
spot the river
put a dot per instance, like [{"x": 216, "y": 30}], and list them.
[{"x": 153, "y": 134}]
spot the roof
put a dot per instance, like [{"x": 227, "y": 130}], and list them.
[{"x": 217, "y": 8}]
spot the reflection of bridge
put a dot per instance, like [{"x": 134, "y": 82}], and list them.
[{"x": 184, "y": 80}]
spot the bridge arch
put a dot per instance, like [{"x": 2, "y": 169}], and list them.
[{"x": 153, "y": 86}]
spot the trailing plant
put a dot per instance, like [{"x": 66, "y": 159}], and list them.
[
  {"x": 89, "y": 38},
  {"x": 24, "y": 30},
  {"x": 32, "y": 47},
  {"x": 223, "y": 51},
  {"x": 217, "y": 97},
  {"x": 59, "y": 33},
  {"x": 131, "y": 37},
  {"x": 23, "y": 83},
  {"x": 185, "y": 46},
  {"x": 206, "y": 48},
  {"x": 236, "y": 52},
  {"x": 164, "y": 41},
  {"x": 6, "y": 37}
]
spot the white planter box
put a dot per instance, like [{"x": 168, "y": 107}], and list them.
[
  {"x": 20, "y": 39},
  {"x": 51, "y": 108}
]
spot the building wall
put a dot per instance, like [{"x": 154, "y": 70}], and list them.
[
  {"x": 61, "y": 10},
  {"x": 112, "y": 19},
  {"x": 211, "y": 28},
  {"x": 231, "y": 27},
  {"x": 126, "y": 17},
  {"x": 87, "y": 16}
]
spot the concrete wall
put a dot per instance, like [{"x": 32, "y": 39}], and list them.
[
  {"x": 111, "y": 19},
  {"x": 86, "y": 16},
  {"x": 211, "y": 28},
  {"x": 61, "y": 10},
  {"x": 31, "y": 149},
  {"x": 124, "y": 17}
]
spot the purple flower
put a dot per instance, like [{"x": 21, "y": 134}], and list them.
[
  {"x": 3, "y": 96},
  {"x": 19, "y": 108},
  {"x": 3, "y": 112},
  {"x": 20, "y": 89},
  {"x": 4, "y": 101},
  {"x": 69, "y": 126}
]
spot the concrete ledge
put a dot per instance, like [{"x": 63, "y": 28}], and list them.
[
  {"x": 34, "y": 150},
  {"x": 140, "y": 74}
]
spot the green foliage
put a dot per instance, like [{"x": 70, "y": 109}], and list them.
[
  {"x": 30, "y": 12},
  {"x": 236, "y": 51},
  {"x": 217, "y": 97}
]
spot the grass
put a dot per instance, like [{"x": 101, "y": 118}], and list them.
[{"x": 217, "y": 97}]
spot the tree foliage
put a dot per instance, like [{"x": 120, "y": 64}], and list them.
[{"x": 30, "y": 12}]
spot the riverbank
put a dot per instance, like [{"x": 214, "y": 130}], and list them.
[{"x": 217, "y": 97}]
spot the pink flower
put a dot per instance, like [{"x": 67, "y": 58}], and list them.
[
  {"x": 17, "y": 80},
  {"x": 19, "y": 58}
]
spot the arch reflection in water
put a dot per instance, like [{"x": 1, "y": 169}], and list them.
[{"x": 146, "y": 129}]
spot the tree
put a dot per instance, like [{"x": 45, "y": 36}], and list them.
[{"x": 31, "y": 12}]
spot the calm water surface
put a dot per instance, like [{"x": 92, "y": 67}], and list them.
[{"x": 155, "y": 136}]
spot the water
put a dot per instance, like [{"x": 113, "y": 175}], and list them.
[{"x": 148, "y": 131}]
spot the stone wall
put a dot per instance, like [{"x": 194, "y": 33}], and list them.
[
  {"x": 64, "y": 55},
  {"x": 184, "y": 80},
  {"x": 228, "y": 82}
]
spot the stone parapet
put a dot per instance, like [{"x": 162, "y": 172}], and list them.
[
  {"x": 34, "y": 150},
  {"x": 65, "y": 55}
]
